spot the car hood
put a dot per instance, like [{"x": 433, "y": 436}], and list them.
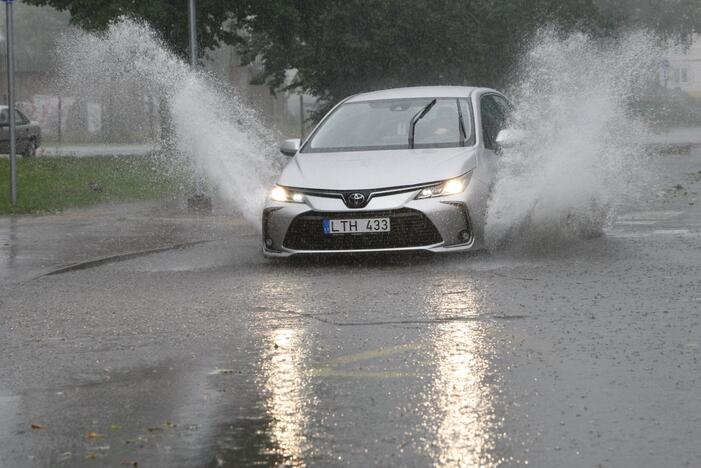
[{"x": 362, "y": 170}]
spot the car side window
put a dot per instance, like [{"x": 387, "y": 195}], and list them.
[
  {"x": 4, "y": 117},
  {"x": 20, "y": 119},
  {"x": 506, "y": 109},
  {"x": 494, "y": 119},
  {"x": 468, "y": 121}
]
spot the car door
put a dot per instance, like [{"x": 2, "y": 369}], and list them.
[
  {"x": 21, "y": 131},
  {"x": 4, "y": 132}
]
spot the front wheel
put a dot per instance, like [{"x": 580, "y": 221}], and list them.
[{"x": 30, "y": 150}]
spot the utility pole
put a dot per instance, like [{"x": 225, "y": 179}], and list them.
[
  {"x": 192, "y": 15},
  {"x": 11, "y": 99},
  {"x": 198, "y": 202},
  {"x": 60, "y": 123},
  {"x": 301, "y": 116}
]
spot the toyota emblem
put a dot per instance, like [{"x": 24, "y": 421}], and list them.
[{"x": 356, "y": 200}]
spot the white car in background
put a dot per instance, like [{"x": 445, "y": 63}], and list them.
[{"x": 27, "y": 134}]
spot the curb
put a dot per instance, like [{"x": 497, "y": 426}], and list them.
[{"x": 118, "y": 258}]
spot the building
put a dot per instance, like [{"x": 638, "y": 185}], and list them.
[
  {"x": 682, "y": 70},
  {"x": 36, "y": 30},
  {"x": 91, "y": 118}
]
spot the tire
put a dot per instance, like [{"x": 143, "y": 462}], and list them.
[{"x": 30, "y": 150}]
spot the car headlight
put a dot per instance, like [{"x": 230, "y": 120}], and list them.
[
  {"x": 281, "y": 194},
  {"x": 447, "y": 187}
]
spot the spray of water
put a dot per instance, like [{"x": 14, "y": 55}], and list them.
[
  {"x": 581, "y": 160},
  {"x": 214, "y": 132},
  {"x": 583, "y": 155}
]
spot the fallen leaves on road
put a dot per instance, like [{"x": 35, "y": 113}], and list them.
[
  {"x": 91, "y": 456},
  {"x": 154, "y": 429},
  {"x": 130, "y": 463},
  {"x": 93, "y": 435},
  {"x": 38, "y": 426}
]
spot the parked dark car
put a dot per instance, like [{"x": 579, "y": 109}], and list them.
[{"x": 28, "y": 134}]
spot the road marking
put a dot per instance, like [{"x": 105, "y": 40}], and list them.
[
  {"x": 649, "y": 215},
  {"x": 672, "y": 232},
  {"x": 372, "y": 354},
  {"x": 636, "y": 223},
  {"x": 656, "y": 232},
  {"x": 360, "y": 374},
  {"x": 332, "y": 368}
]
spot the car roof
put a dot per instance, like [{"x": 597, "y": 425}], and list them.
[{"x": 417, "y": 92}]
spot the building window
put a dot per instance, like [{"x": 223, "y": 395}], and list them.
[{"x": 679, "y": 74}]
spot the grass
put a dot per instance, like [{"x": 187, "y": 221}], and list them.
[{"x": 51, "y": 184}]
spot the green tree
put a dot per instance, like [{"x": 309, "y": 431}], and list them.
[
  {"x": 340, "y": 47},
  {"x": 168, "y": 17}
]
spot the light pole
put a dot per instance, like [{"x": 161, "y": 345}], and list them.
[
  {"x": 301, "y": 116},
  {"x": 11, "y": 98},
  {"x": 198, "y": 202},
  {"x": 192, "y": 15}
]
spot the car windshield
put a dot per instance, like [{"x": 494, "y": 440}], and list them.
[{"x": 386, "y": 124}]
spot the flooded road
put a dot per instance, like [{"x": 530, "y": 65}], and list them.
[{"x": 584, "y": 355}]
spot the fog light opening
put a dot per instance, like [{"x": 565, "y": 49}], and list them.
[
  {"x": 268, "y": 242},
  {"x": 465, "y": 235}
]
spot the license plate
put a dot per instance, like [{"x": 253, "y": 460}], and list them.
[{"x": 352, "y": 226}]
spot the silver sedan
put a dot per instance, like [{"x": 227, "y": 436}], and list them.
[{"x": 393, "y": 170}]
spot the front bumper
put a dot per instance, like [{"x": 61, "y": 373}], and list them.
[{"x": 442, "y": 224}]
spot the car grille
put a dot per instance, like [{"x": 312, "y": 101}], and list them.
[{"x": 409, "y": 228}]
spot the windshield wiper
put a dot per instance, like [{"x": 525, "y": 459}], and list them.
[
  {"x": 415, "y": 119},
  {"x": 461, "y": 122}
]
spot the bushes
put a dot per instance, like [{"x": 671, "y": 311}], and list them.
[{"x": 667, "y": 107}]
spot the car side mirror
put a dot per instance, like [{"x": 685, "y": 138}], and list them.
[
  {"x": 290, "y": 147},
  {"x": 511, "y": 137}
]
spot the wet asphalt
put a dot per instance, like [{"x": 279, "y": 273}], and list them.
[{"x": 581, "y": 354}]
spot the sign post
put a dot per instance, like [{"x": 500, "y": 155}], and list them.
[
  {"x": 11, "y": 99},
  {"x": 301, "y": 116},
  {"x": 192, "y": 15},
  {"x": 198, "y": 202}
]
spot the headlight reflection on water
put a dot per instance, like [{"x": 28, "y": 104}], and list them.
[
  {"x": 461, "y": 398},
  {"x": 284, "y": 376},
  {"x": 283, "y": 369},
  {"x": 459, "y": 401}
]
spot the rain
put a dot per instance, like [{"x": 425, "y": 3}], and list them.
[{"x": 375, "y": 233}]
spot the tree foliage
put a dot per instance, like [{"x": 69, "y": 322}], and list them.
[
  {"x": 168, "y": 17},
  {"x": 340, "y": 47}
]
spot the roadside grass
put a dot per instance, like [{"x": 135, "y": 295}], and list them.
[{"x": 50, "y": 184}]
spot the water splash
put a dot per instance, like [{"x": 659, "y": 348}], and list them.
[
  {"x": 584, "y": 152},
  {"x": 214, "y": 131}
]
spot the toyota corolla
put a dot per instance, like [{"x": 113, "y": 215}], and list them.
[{"x": 393, "y": 170}]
